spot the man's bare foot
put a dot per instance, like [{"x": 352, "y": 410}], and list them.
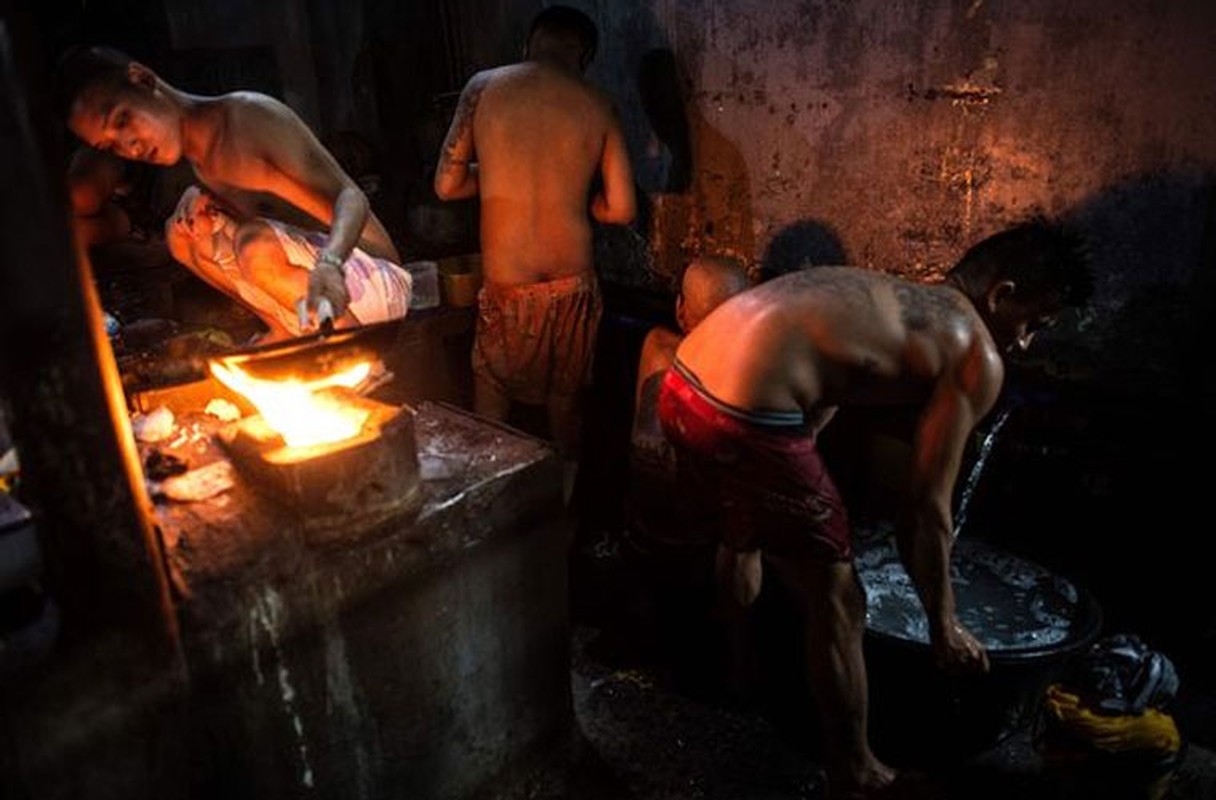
[
  {"x": 867, "y": 784},
  {"x": 888, "y": 784}
]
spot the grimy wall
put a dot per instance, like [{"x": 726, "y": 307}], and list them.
[
  {"x": 913, "y": 128},
  {"x": 895, "y": 134}
]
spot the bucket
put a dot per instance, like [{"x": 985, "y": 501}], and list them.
[
  {"x": 20, "y": 558},
  {"x": 426, "y": 284},
  {"x": 460, "y": 280}
]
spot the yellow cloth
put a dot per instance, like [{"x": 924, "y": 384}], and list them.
[{"x": 1152, "y": 730}]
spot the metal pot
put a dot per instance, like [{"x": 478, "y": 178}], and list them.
[{"x": 1029, "y": 619}]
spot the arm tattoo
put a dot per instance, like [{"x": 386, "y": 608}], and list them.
[{"x": 461, "y": 132}]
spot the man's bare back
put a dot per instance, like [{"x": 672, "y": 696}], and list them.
[
  {"x": 530, "y": 140},
  {"x": 540, "y": 134},
  {"x": 827, "y": 336}
]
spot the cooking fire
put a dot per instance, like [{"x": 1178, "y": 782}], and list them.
[
  {"x": 305, "y": 413},
  {"x": 320, "y": 445}
]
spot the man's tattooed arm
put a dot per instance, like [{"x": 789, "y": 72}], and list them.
[{"x": 456, "y": 173}]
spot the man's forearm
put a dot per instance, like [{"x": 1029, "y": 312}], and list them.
[
  {"x": 924, "y": 549},
  {"x": 350, "y": 217}
]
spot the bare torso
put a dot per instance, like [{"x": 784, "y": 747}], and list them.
[
  {"x": 831, "y": 336},
  {"x": 539, "y": 135},
  {"x": 247, "y": 133},
  {"x": 826, "y": 337}
]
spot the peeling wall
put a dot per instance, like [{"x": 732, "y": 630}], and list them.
[
  {"x": 894, "y": 135},
  {"x": 911, "y": 129},
  {"x": 890, "y": 134}
]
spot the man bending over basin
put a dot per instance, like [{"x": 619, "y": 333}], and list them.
[{"x": 753, "y": 384}]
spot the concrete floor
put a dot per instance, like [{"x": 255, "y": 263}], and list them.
[
  {"x": 645, "y": 731},
  {"x": 638, "y": 738}
]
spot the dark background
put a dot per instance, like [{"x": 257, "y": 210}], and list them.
[{"x": 890, "y": 136}]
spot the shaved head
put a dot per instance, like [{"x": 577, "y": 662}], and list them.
[
  {"x": 708, "y": 282},
  {"x": 564, "y": 33}
]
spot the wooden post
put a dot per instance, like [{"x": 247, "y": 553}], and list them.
[{"x": 79, "y": 471}]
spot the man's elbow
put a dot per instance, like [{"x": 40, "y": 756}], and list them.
[
  {"x": 364, "y": 202},
  {"x": 621, "y": 213},
  {"x": 175, "y": 243},
  {"x": 451, "y": 186},
  {"x": 622, "y": 216},
  {"x": 444, "y": 189}
]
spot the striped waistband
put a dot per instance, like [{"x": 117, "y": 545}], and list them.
[{"x": 770, "y": 418}]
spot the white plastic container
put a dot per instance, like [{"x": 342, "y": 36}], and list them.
[{"x": 426, "y": 284}]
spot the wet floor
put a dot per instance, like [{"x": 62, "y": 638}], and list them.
[
  {"x": 640, "y": 739},
  {"x": 656, "y": 723}
]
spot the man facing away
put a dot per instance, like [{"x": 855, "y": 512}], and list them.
[
  {"x": 706, "y": 283},
  {"x": 668, "y": 546},
  {"x": 753, "y": 384},
  {"x": 250, "y": 150},
  {"x": 541, "y": 148}
]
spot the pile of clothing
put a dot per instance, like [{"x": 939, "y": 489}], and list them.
[{"x": 1107, "y": 729}]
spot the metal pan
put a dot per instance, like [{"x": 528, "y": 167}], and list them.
[
  {"x": 315, "y": 354},
  {"x": 308, "y": 356}
]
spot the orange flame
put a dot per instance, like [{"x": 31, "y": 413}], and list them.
[{"x": 296, "y": 409}]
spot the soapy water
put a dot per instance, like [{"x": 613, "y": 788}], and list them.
[{"x": 1008, "y": 603}]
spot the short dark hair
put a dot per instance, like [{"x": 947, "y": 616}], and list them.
[
  {"x": 1042, "y": 257},
  {"x": 569, "y": 24},
  {"x": 85, "y": 67}
]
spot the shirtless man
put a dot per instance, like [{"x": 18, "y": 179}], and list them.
[
  {"x": 663, "y": 529},
  {"x": 529, "y": 140},
  {"x": 707, "y": 282},
  {"x": 753, "y": 384},
  {"x": 247, "y": 148},
  {"x": 94, "y": 179},
  {"x": 265, "y": 264}
]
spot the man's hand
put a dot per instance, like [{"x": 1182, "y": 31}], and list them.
[
  {"x": 956, "y": 650},
  {"x": 326, "y": 282}
]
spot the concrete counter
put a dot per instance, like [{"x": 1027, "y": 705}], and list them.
[{"x": 420, "y": 657}]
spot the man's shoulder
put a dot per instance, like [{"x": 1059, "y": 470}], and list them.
[
  {"x": 814, "y": 279},
  {"x": 483, "y": 78},
  {"x": 245, "y": 103},
  {"x": 659, "y": 346},
  {"x": 533, "y": 76}
]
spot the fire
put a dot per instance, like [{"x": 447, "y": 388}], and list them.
[{"x": 300, "y": 411}]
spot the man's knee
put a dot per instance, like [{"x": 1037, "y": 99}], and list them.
[
  {"x": 255, "y": 242},
  {"x": 490, "y": 399},
  {"x": 739, "y": 574},
  {"x": 565, "y": 422}
]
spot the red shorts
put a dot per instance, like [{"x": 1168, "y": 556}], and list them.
[{"x": 765, "y": 481}]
